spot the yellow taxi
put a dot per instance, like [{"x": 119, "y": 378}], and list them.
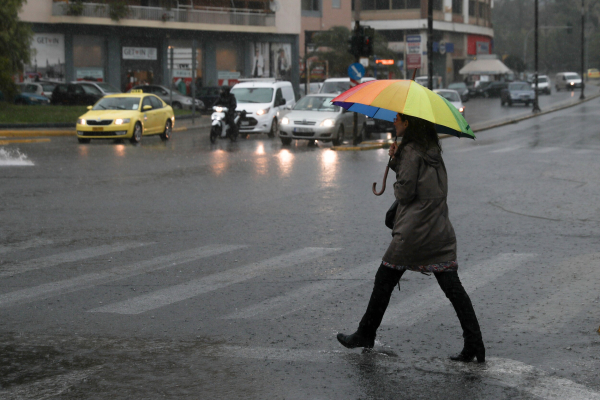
[
  {"x": 593, "y": 73},
  {"x": 126, "y": 116}
]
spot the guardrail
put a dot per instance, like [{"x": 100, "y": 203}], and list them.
[{"x": 207, "y": 15}]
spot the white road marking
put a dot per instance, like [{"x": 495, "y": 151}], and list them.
[
  {"x": 575, "y": 279},
  {"x": 507, "y": 149},
  {"x": 545, "y": 150},
  {"x": 97, "y": 278},
  {"x": 516, "y": 374},
  {"x": 187, "y": 290},
  {"x": 470, "y": 148},
  {"x": 25, "y": 245},
  {"x": 57, "y": 259},
  {"x": 318, "y": 291},
  {"x": 414, "y": 308}
]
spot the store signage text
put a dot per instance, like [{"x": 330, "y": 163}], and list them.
[{"x": 139, "y": 53}]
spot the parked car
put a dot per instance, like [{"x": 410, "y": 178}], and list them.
[
  {"x": 491, "y": 89},
  {"x": 517, "y": 92},
  {"x": 71, "y": 94},
  {"x": 30, "y": 98},
  {"x": 313, "y": 88},
  {"x": 179, "y": 101},
  {"x": 262, "y": 100},
  {"x": 98, "y": 87},
  {"x": 126, "y": 116},
  {"x": 208, "y": 95},
  {"x": 567, "y": 81},
  {"x": 462, "y": 90},
  {"x": 544, "y": 85},
  {"x": 593, "y": 73},
  {"x": 39, "y": 88},
  {"x": 315, "y": 117},
  {"x": 453, "y": 97},
  {"x": 339, "y": 85},
  {"x": 373, "y": 125}
]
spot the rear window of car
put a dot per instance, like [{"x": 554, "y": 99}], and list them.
[
  {"x": 253, "y": 95},
  {"x": 450, "y": 96},
  {"x": 28, "y": 88},
  {"x": 457, "y": 86},
  {"x": 519, "y": 86},
  {"x": 107, "y": 87},
  {"x": 89, "y": 89},
  {"x": 571, "y": 76},
  {"x": 316, "y": 103},
  {"x": 61, "y": 88},
  {"x": 118, "y": 103},
  {"x": 542, "y": 79},
  {"x": 48, "y": 87}
]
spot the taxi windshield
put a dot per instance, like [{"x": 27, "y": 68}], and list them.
[{"x": 118, "y": 103}]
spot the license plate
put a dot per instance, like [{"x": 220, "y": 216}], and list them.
[
  {"x": 303, "y": 130},
  {"x": 100, "y": 129},
  {"x": 370, "y": 122},
  {"x": 245, "y": 123}
]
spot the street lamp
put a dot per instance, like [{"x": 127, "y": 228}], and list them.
[
  {"x": 536, "y": 105},
  {"x": 582, "y": 49}
]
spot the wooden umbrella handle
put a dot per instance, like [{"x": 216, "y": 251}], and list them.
[{"x": 387, "y": 168}]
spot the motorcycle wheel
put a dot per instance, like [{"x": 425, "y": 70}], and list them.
[{"x": 214, "y": 134}]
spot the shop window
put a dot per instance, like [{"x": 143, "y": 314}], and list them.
[
  {"x": 382, "y": 4},
  {"x": 336, "y": 3},
  {"x": 368, "y": 5},
  {"x": 472, "y": 8},
  {"x": 89, "y": 55},
  {"x": 398, "y": 4},
  {"x": 481, "y": 10},
  {"x": 457, "y": 6},
  {"x": 413, "y": 3},
  {"x": 310, "y": 5},
  {"x": 437, "y": 5}
]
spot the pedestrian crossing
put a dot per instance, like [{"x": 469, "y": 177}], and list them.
[{"x": 410, "y": 310}]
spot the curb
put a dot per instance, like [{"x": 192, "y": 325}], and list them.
[{"x": 56, "y": 133}]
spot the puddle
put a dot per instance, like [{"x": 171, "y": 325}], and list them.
[{"x": 13, "y": 158}]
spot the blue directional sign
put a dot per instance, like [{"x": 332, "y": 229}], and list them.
[{"x": 356, "y": 71}]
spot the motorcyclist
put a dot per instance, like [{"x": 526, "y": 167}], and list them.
[{"x": 226, "y": 99}]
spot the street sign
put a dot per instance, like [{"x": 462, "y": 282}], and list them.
[
  {"x": 413, "y": 54},
  {"x": 356, "y": 71},
  {"x": 442, "y": 48}
]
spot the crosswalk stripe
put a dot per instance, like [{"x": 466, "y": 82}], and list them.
[
  {"x": 545, "y": 150},
  {"x": 25, "y": 245},
  {"x": 187, "y": 290},
  {"x": 318, "y": 291},
  {"x": 513, "y": 373},
  {"x": 57, "y": 259},
  {"x": 569, "y": 280},
  {"x": 418, "y": 306},
  {"x": 97, "y": 278}
]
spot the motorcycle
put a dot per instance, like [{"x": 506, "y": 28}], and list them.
[{"x": 220, "y": 128}]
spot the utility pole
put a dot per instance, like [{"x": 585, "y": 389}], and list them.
[
  {"x": 536, "y": 104},
  {"x": 582, "y": 49},
  {"x": 429, "y": 44},
  {"x": 171, "y": 78},
  {"x": 357, "y": 6},
  {"x": 193, "y": 80}
]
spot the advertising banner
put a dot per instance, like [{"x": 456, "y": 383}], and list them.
[
  {"x": 140, "y": 53},
  {"x": 281, "y": 58},
  {"x": 48, "y": 57}
]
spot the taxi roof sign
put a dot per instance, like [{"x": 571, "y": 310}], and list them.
[{"x": 136, "y": 91}]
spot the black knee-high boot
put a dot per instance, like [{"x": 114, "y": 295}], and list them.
[
  {"x": 386, "y": 280},
  {"x": 455, "y": 292}
]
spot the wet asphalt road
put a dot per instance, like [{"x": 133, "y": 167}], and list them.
[{"x": 188, "y": 270}]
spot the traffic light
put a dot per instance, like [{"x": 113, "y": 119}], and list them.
[
  {"x": 354, "y": 45},
  {"x": 367, "y": 39},
  {"x": 360, "y": 43},
  {"x": 569, "y": 27}
]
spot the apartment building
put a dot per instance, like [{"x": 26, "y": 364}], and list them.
[
  {"x": 462, "y": 30},
  {"x": 130, "y": 42}
]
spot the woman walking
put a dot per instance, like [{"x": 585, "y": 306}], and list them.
[{"x": 423, "y": 237}]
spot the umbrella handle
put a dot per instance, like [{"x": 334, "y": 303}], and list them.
[{"x": 387, "y": 168}]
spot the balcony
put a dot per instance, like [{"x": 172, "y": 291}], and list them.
[{"x": 206, "y": 15}]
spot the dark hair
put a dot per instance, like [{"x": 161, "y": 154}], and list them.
[{"x": 420, "y": 132}]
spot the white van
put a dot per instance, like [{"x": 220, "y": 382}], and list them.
[
  {"x": 262, "y": 100},
  {"x": 339, "y": 85},
  {"x": 567, "y": 81}
]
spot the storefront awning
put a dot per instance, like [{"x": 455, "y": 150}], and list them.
[{"x": 484, "y": 67}]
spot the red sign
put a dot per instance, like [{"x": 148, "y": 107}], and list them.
[
  {"x": 413, "y": 61},
  {"x": 385, "y": 62},
  {"x": 477, "y": 44}
]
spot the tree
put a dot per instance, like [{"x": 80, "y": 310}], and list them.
[
  {"x": 515, "y": 63},
  {"x": 15, "y": 45}
]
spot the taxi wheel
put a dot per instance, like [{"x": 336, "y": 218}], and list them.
[
  {"x": 137, "y": 134},
  {"x": 339, "y": 139},
  {"x": 273, "y": 132},
  {"x": 166, "y": 135},
  {"x": 82, "y": 140}
]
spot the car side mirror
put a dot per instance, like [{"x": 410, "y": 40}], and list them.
[
  {"x": 147, "y": 108},
  {"x": 89, "y": 107},
  {"x": 281, "y": 102}
]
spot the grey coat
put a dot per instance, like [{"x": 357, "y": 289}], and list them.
[{"x": 422, "y": 233}]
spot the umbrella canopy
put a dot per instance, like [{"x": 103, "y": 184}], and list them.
[{"x": 384, "y": 99}]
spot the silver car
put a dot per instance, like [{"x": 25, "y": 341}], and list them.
[
  {"x": 179, "y": 101},
  {"x": 314, "y": 117}
]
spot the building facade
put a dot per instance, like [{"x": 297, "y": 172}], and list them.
[
  {"x": 462, "y": 30},
  {"x": 130, "y": 42}
]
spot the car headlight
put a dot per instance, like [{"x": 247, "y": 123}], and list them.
[
  {"x": 462, "y": 109},
  {"x": 571, "y": 83},
  {"x": 263, "y": 111},
  {"x": 81, "y": 121},
  {"x": 328, "y": 122},
  {"x": 285, "y": 121},
  {"x": 121, "y": 121}
]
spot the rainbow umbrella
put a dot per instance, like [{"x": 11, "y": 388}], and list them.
[{"x": 384, "y": 99}]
